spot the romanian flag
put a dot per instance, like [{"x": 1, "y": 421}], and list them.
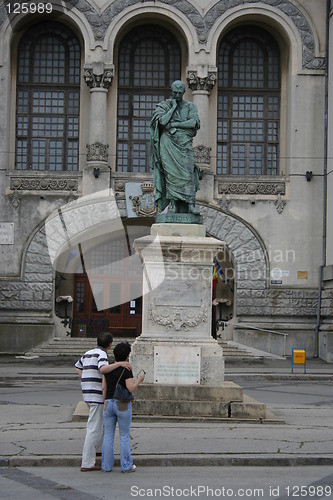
[
  {"x": 215, "y": 276},
  {"x": 217, "y": 273}
]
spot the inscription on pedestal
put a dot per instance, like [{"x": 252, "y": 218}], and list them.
[
  {"x": 177, "y": 365},
  {"x": 176, "y": 218}
]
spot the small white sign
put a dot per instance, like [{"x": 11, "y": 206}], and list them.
[
  {"x": 277, "y": 273},
  {"x": 177, "y": 365},
  {"x": 6, "y": 233}
]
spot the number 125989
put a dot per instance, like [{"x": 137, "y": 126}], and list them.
[
  {"x": 309, "y": 491},
  {"x": 29, "y": 8}
]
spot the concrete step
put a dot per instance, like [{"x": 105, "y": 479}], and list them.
[
  {"x": 164, "y": 402},
  {"x": 76, "y": 346}
]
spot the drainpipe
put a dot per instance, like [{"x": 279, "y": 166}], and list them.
[{"x": 320, "y": 286}]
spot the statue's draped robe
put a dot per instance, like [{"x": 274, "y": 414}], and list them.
[{"x": 176, "y": 177}]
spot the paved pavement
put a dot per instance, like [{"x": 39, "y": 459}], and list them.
[
  {"x": 38, "y": 398},
  {"x": 264, "y": 483}
]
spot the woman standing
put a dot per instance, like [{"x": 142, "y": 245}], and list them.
[{"x": 118, "y": 411}]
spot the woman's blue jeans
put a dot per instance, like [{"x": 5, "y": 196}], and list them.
[{"x": 111, "y": 416}]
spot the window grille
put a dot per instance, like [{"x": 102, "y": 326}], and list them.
[
  {"x": 248, "y": 103},
  {"x": 48, "y": 99},
  {"x": 149, "y": 61}
]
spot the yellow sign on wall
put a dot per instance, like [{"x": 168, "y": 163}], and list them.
[{"x": 302, "y": 275}]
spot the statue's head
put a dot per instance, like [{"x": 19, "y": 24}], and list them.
[
  {"x": 178, "y": 86},
  {"x": 178, "y": 90}
]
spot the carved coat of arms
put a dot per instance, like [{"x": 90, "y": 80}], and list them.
[{"x": 144, "y": 204}]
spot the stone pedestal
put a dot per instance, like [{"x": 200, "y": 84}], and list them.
[{"x": 176, "y": 346}]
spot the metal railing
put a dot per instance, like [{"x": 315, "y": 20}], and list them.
[{"x": 250, "y": 327}]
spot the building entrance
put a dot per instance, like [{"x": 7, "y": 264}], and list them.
[
  {"x": 106, "y": 285},
  {"x": 122, "y": 320}
]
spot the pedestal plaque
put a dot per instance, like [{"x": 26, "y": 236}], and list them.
[{"x": 177, "y": 365}]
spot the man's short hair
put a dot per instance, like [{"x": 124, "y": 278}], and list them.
[
  {"x": 122, "y": 351},
  {"x": 104, "y": 339}
]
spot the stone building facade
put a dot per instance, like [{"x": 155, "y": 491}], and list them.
[{"x": 79, "y": 82}]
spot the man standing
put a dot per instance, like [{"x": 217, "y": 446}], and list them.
[
  {"x": 176, "y": 177},
  {"x": 91, "y": 367}
]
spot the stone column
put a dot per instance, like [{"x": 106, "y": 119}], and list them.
[
  {"x": 98, "y": 77},
  {"x": 201, "y": 80}
]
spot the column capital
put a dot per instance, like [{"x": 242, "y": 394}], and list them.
[
  {"x": 98, "y": 75},
  {"x": 202, "y": 78}
]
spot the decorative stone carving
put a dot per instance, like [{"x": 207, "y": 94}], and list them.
[
  {"x": 262, "y": 187},
  {"x": 120, "y": 186},
  {"x": 201, "y": 83},
  {"x": 176, "y": 317},
  {"x": 202, "y": 154},
  {"x": 101, "y": 79},
  {"x": 309, "y": 60},
  {"x": 144, "y": 204},
  {"x": 275, "y": 302},
  {"x": 279, "y": 203},
  {"x": 97, "y": 152},
  {"x": 224, "y": 203},
  {"x": 203, "y": 25},
  {"x": 35, "y": 292},
  {"x": 15, "y": 198},
  {"x": 23, "y": 183}
]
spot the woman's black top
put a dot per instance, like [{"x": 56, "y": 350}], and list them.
[{"x": 112, "y": 378}]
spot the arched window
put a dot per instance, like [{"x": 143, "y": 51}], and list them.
[
  {"x": 48, "y": 99},
  {"x": 248, "y": 103},
  {"x": 149, "y": 61}
]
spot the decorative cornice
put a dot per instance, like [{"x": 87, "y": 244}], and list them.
[
  {"x": 202, "y": 154},
  {"x": 203, "y": 25},
  {"x": 99, "y": 76},
  {"x": 97, "y": 152},
  {"x": 21, "y": 184},
  {"x": 261, "y": 187},
  {"x": 29, "y": 183},
  {"x": 99, "y": 22},
  {"x": 203, "y": 83}
]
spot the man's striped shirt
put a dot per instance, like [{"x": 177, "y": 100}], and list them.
[{"x": 91, "y": 380}]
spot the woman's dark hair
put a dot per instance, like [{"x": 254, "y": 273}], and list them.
[{"x": 122, "y": 351}]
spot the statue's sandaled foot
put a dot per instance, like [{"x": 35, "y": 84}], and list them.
[
  {"x": 174, "y": 208},
  {"x": 193, "y": 210}
]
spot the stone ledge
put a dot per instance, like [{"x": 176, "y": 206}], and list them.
[
  {"x": 248, "y": 408},
  {"x": 181, "y": 408},
  {"x": 229, "y": 392},
  {"x": 156, "y": 401}
]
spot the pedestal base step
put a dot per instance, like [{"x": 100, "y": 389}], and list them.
[
  {"x": 191, "y": 403},
  {"x": 196, "y": 401}
]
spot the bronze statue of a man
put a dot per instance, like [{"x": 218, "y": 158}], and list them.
[{"x": 176, "y": 177}]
